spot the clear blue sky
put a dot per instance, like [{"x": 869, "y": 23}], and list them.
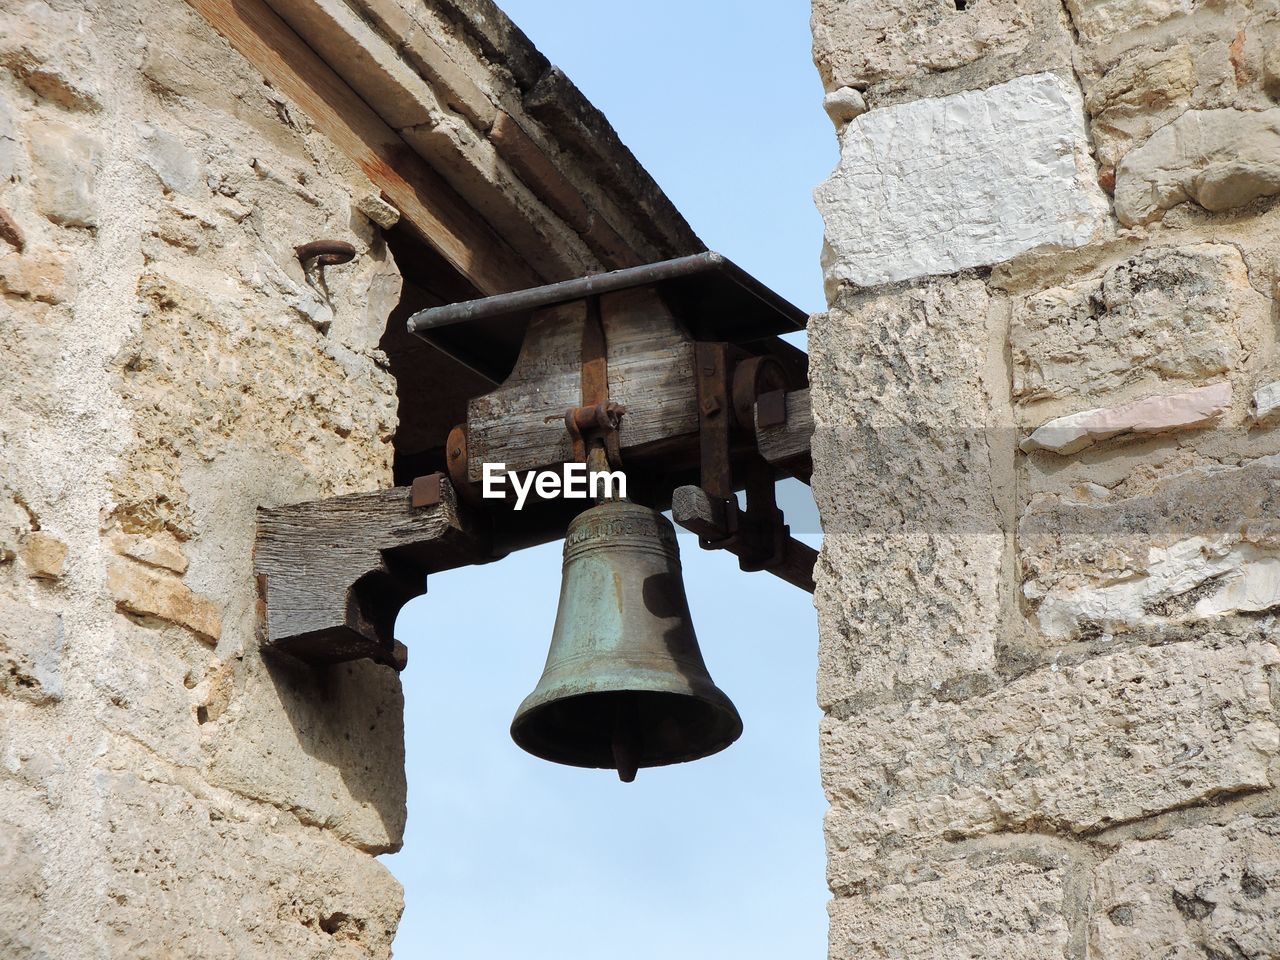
[{"x": 509, "y": 856}]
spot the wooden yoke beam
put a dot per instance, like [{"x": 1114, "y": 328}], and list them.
[{"x": 333, "y": 574}]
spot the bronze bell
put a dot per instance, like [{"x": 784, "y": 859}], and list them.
[{"x": 625, "y": 685}]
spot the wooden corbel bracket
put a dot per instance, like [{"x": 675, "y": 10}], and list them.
[{"x": 333, "y": 574}]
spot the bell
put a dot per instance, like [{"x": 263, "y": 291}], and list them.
[{"x": 625, "y": 685}]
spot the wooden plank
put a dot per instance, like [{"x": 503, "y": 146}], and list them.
[
  {"x": 650, "y": 363},
  {"x": 789, "y": 440},
  {"x": 696, "y": 511},
  {"x": 425, "y": 200},
  {"x": 333, "y": 574}
]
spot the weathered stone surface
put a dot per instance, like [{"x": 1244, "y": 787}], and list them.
[
  {"x": 855, "y": 44},
  {"x": 23, "y": 889},
  {"x": 1201, "y": 546},
  {"x": 1098, "y": 20},
  {"x": 44, "y": 555},
  {"x": 908, "y": 585},
  {"x": 8, "y": 141},
  {"x": 843, "y": 105},
  {"x": 272, "y": 886},
  {"x": 65, "y": 160},
  {"x": 44, "y": 274},
  {"x": 1168, "y": 312},
  {"x": 44, "y": 50},
  {"x": 905, "y": 202},
  {"x": 985, "y": 906},
  {"x": 378, "y": 210},
  {"x": 174, "y": 165},
  {"x": 143, "y": 691},
  {"x": 1211, "y": 891},
  {"x": 160, "y": 384},
  {"x": 1220, "y": 159},
  {"x": 286, "y": 736},
  {"x": 1266, "y": 401},
  {"x": 149, "y": 593},
  {"x": 1071, "y": 749},
  {"x": 1137, "y": 96},
  {"x": 161, "y": 549},
  {"x": 1178, "y": 411},
  {"x": 31, "y": 644}
]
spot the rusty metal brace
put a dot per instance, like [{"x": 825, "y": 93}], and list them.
[
  {"x": 758, "y": 535},
  {"x": 599, "y": 419}
]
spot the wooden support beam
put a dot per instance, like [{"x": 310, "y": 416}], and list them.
[
  {"x": 707, "y": 516},
  {"x": 428, "y": 204},
  {"x": 650, "y": 371},
  {"x": 333, "y": 574},
  {"x": 787, "y": 444}
]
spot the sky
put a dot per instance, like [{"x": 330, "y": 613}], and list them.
[{"x": 509, "y": 856}]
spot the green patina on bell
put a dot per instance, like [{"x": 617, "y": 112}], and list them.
[{"x": 625, "y": 685}]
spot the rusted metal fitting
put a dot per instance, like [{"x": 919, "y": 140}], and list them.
[
  {"x": 326, "y": 253},
  {"x": 754, "y": 378},
  {"x": 427, "y": 491},
  {"x": 600, "y": 421}
]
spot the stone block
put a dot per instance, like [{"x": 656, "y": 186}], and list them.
[
  {"x": 142, "y": 692},
  {"x": 1220, "y": 159},
  {"x": 1201, "y": 546},
  {"x": 1165, "y": 313},
  {"x": 1072, "y": 749},
  {"x": 981, "y": 906},
  {"x": 378, "y": 211},
  {"x": 1209, "y": 891},
  {"x": 231, "y": 882},
  {"x": 325, "y": 745},
  {"x": 1165, "y": 414},
  {"x": 23, "y": 891},
  {"x": 29, "y": 755},
  {"x": 151, "y": 593},
  {"x": 909, "y": 582},
  {"x": 44, "y": 555},
  {"x": 1138, "y": 95},
  {"x": 857, "y": 44},
  {"x": 43, "y": 49},
  {"x": 1266, "y": 401},
  {"x": 174, "y": 165},
  {"x": 1101, "y": 20},
  {"x": 8, "y": 142},
  {"x": 43, "y": 274},
  {"x": 935, "y": 186},
  {"x": 31, "y": 643},
  {"x": 161, "y": 549},
  {"x": 65, "y": 160}
]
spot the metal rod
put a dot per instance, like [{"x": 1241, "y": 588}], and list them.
[{"x": 565, "y": 291}]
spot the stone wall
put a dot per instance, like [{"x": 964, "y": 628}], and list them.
[
  {"x": 169, "y": 367},
  {"x": 1048, "y": 464}
]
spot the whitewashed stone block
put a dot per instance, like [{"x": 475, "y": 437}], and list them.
[{"x": 938, "y": 185}]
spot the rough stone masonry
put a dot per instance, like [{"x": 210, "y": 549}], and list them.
[
  {"x": 168, "y": 366},
  {"x": 1047, "y": 396}
]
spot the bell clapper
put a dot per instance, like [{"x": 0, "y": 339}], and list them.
[{"x": 624, "y": 741}]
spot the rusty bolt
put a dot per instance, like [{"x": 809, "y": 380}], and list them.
[{"x": 327, "y": 253}]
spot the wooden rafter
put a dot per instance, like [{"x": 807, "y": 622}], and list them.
[{"x": 428, "y": 204}]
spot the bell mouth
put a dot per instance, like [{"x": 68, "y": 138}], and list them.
[{"x": 627, "y": 729}]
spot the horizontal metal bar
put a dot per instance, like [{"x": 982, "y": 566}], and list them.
[{"x": 522, "y": 301}]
